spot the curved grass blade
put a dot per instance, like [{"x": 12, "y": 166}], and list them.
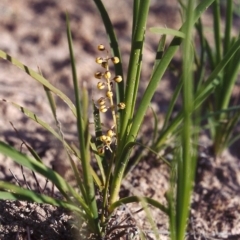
[
  {"x": 51, "y": 102},
  {"x": 82, "y": 129},
  {"x": 45, "y": 171},
  {"x": 213, "y": 80},
  {"x": 150, "y": 218},
  {"x": 155, "y": 124},
  {"x": 14, "y": 192},
  {"x": 39, "y": 78},
  {"x": 160, "y": 52},
  {"x": 138, "y": 199},
  {"x": 136, "y": 159},
  {"x": 201, "y": 61},
  {"x": 35, "y": 118},
  {"x": 30, "y": 149},
  {"x": 186, "y": 158},
  {"x": 167, "y": 31},
  {"x": 172, "y": 103}
]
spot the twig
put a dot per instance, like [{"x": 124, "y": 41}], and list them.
[
  {"x": 25, "y": 181},
  {"x": 15, "y": 177}
]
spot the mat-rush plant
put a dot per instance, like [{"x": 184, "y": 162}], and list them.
[
  {"x": 112, "y": 148},
  {"x": 225, "y": 115}
]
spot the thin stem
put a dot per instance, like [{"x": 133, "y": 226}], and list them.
[
  {"x": 185, "y": 161},
  {"x": 217, "y": 31},
  {"x": 134, "y": 63}
]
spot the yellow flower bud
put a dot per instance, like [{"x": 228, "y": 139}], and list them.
[
  {"x": 107, "y": 75},
  {"x": 109, "y": 94},
  {"x": 110, "y": 133},
  {"x": 101, "y": 47},
  {"x": 101, "y": 85},
  {"x": 98, "y": 75},
  {"x": 103, "y": 108},
  {"x": 99, "y": 60},
  {"x": 101, "y": 101},
  {"x": 108, "y": 140},
  {"x": 118, "y": 79},
  {"x": 115, "y": 60},
  {"x": 104, "y": 64},
  {"x": 121, "y": 105},
  {"x": 103, "y": 138}
]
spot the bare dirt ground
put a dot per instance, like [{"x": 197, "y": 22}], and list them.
[{"x": 34, "y": 32}]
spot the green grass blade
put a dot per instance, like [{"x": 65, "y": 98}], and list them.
[
  {"x": 135, "y": 160},
  {"x": 136, "y": 4},
  {"x": 100, "y": 166},
  {"x": 172, "y": 104},
  {"x": 185, "y": 180},
  {"x": 40, "y": 168},
  {"x": 171, "y": 196},
  {"x": 134, "y": 67},
  {"x": 168, "y": 131},
  {"x": 39, "y": 79},
  {"x": 213, "y": 80},
  {"x": 150, "y": 219},
  {"x": 160, "y": 52},
  {"x": 35, "y": 118},
  {"x": 167, "y": 31},
  {"x": 84, "y": 150},
  {"x": 201, "y": 66},
  {"x": 229, "y": 80},
  {"x": 155, "y": 125},
  {"x": 17, "y": 193},
  {"x": 77, "y": 177},
  {"x": 51, "y": 99},
  {"x": 30, "y": 149},
  {"x": 210, "y": 57},
  {"x": 138, "y": 199},
  {"x": 51, "y": 102},
  {"x": 228, "y": 26},
  {"x": 216, "y": 27}
]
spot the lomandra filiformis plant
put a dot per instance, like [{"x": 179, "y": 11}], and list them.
[{"x": 97, "y": 195}]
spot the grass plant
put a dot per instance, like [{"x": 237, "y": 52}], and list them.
[
  {"x": 223, "y": 116},
  {"x": 112, "y": 148}
]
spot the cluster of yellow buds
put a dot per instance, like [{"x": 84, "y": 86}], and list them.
[
  {"x": 107, "y": 140},
  {"x": 107, "y": 102}
]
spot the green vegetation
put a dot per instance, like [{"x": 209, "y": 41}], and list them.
[{"x": 200, "y": 85}]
